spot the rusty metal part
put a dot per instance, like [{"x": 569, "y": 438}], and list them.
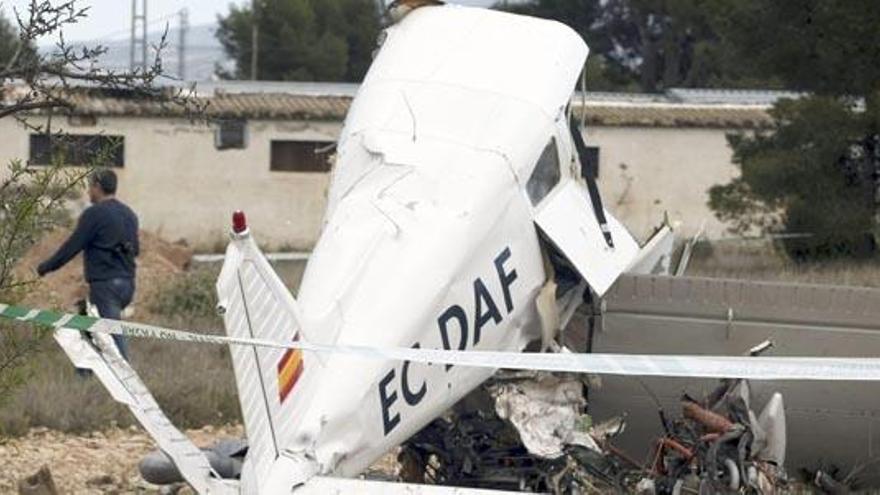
[
  {"x": 672, "y": 444},
  {"x": 713, "y": 422}
]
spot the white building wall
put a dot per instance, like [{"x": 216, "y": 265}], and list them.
[
  {"x": 183, "y": 188},
  {"x": 646, "y": 171}
]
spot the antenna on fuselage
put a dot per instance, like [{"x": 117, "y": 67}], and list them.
[
  {"x": 584, "y": 97},
  {"x": 589, "y": 172}
]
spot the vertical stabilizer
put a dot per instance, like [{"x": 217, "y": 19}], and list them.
[{"x": 256, "y": 304}]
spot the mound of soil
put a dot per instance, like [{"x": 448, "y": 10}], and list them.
[{"x": 159, "y": 261}]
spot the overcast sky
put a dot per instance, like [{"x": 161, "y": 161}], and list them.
[{"x": 111, "y": 19}]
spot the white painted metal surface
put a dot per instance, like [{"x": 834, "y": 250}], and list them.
[
  {"x": 655, "y": 257},
  {"x": 99, "y": 354},
  {"x": 567, "y": 218},
  {"x": 428, "y": 240},
  {"x": 255, "y": 304}
]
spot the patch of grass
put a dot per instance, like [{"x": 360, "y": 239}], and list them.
[
  {"x": 190, "y": 296},
  {"x": 754, "y": 260},
  {"x": 194, "y": 384}
]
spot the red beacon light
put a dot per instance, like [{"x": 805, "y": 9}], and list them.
[{"x": 239, "y": 222}]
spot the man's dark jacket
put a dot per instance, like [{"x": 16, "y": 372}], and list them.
[{"x": 107, "y": 233}]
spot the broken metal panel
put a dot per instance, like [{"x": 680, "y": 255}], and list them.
[
  {"x": 827, "y": 421},
  {"x": 655, "y": 257},
  {"x": 567, "y": 219}
]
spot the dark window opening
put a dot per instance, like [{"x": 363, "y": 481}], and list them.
[
  {"x": 590, "y": 162},
  {"x": 300, "y": 156},
  {"x": 546, "y": 174},
  {"x": 77, "y": 150},
  {"x": 230, "y": 134}
]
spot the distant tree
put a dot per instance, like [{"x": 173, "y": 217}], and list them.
[
  {"x": 676, "y": 43},
  {"x": 808, "y": 177},
  {"x": 817, "y": 172},
  {"x": 302, "y": 40},
  {"x": 8, "y": 38},
  {"x": 650, "y": 45},
  {"x": 823, "y": 46},
  {"x": 606, "y": 70}
]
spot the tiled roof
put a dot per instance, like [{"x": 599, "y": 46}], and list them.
[
  {"x": 221, "y": 105},
  {"x": 676, "y": 115},
  {"x": 315, "y": 101}
]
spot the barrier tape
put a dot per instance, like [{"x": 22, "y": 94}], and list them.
[{"x": 752, "y": 368}]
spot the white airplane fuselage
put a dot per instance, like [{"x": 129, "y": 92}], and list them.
[
  {"x": 450, "y": 267},
  {"x": 429, "y": 238},
  {"x": 455, "y": 151}
]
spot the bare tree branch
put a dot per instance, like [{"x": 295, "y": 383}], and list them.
[{"x": 45, "y": 81}]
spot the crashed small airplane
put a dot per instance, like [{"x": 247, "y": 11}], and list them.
[{"x": 461, "y": 230}]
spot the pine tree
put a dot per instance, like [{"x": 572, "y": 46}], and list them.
[
  {"x": 818, "y": 170},
  {"x": 303, "y": 40}
]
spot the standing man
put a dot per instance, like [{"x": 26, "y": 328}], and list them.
[{"x": 107, "y": 233}]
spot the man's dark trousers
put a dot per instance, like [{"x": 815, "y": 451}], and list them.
[{"x": 111, "y": 297}]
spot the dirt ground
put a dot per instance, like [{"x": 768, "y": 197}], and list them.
[
  {"x": 105, "y": 462},
  {"x": 96, "y": 463}
]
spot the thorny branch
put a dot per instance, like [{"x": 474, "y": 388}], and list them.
[{"x": 34, "y": 81}]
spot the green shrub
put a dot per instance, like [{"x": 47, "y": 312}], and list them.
[{"x": 190, "y": 295}]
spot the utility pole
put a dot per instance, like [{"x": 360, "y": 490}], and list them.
[
  {"x": 181, "y": 49},
  {"x": 138, "y": 41},
  {"x": 255, "y": 44}
]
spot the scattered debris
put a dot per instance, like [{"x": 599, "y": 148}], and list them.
[
  {"x": 720, "y": 445},
  {"x": 541, "y": 439},
  {"x": 536, "y": 438},
  {"x": 547, "y": 411},
  {"x": 828, "y": 484},
  {"x": 226, "y": 457}
]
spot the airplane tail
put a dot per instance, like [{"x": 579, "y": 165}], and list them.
[{"x": 256, "y": 304}]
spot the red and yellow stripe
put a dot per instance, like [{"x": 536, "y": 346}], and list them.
[{"x": 289, "y": 370}]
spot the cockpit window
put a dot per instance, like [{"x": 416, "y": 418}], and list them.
[{"x": 546, "y": 174}]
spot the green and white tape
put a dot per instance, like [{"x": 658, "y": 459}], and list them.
[{"x": 753, "y": 368}]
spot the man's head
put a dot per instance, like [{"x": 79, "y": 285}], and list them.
[{"x": 102, "y": 184}]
